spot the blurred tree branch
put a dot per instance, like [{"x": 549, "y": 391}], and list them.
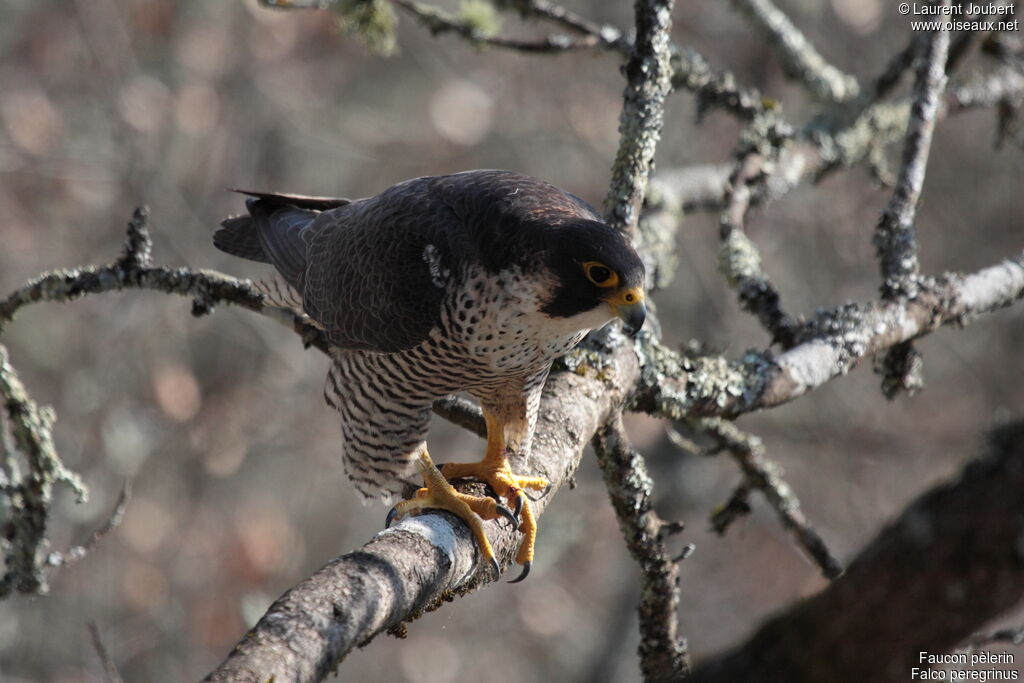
[{"x": 949, "y": 564}]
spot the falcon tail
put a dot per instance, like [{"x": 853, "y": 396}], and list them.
[{"x": 272, "y": 232}]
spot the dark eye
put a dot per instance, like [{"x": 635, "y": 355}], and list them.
[{"x": 599, "y": 274}]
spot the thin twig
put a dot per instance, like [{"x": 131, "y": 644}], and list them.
[
  {"x": 110, "y": 672},
  {"x": 799, "y": 57},
  {"x": 895, "y": 239},
  {"x": 764, "y": 475},
  {"x": 740, "y": 262},
  {"x": 609, "y": 36},
  {"x": 77, "y": 552}
]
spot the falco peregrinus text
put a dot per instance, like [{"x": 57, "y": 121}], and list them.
[{"x": 471, "y": 282}]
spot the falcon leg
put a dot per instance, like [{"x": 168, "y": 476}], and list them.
[
  {"x": 437, "y": 493},
  {"x": 494, "y": 471}
]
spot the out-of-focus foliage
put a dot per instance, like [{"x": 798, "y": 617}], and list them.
[{"x": 239, "y": 491}]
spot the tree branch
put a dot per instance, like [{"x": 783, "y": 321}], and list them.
[
  {"x": 895, "y": 239},
  {"x": 830, "y": 345},
  {"x": 799, "y": 57},
  {"x": 206, "y": 288},
  {"x": 740, "y": 262},
  {"x": 648, "y": 76},
  {"x": 28, "y": 498},
  {"x": 663, "y": 655},
  {"x": 949, "y": 564}
]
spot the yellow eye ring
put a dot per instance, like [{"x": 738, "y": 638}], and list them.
[{"x": 600, "y": 274}]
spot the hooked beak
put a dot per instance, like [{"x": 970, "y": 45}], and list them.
[{"x": 628, "y": 306}]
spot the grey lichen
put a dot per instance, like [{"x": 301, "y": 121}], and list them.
[
  {"x": 738, "y": 258},
  {"x": 28, "y": 490}
]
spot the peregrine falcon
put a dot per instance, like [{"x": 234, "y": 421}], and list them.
[{"x": 470, "y": 282}]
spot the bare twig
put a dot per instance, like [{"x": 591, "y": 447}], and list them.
[
  {"x": 77, "y": 552},
  {"x": 764, "y": 475},
  {"x": 799, "y": 57},
  {"x": 110, "y": 672},
  {"x": 647, "y": 83},
  {"x": 608, "y": 36},
  {"x": 663, "y": 654}
]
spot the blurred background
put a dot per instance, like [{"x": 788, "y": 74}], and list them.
[{"x": 219, "y": 422}]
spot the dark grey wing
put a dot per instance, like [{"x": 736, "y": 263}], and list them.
[{"x": 377, "y": 268}]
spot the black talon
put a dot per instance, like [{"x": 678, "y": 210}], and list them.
[
  {"x": 505, "y": 512},
  {"x": 497, "y": 570},
  {"x": 390, "y": 518},
  {"x": 526, "y": 572},
  {"x": 519, "y": 505}
]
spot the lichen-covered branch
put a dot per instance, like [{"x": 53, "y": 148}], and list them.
[
  {"x": 1004, "y": 84},
  {"x": 23, "y": 538},
  {"x": 422, "y": 561},
  {"x": 830, "y": 345},
  {"x": 948, "y": 565},
  {"x": 895, "y": 239},
  {"x": 206, "y": 288},
  {"x": 740, "y": 262},
  {"x": 764, "y": 475},
  {"x": 798, "y": 56},
  {"x": 647, "y": 83},
  {"x": 895, "y": 236},
  {"x": 663, "y": 655}
]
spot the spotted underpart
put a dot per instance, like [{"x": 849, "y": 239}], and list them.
[{"x": 469, "y": 282}]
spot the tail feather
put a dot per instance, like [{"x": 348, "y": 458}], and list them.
[
  {"x": 301, "y": 201},
  {"x": 238, "y": 236},
  {"x": 272, "y": 232},
  {"x": 280, "y": 235}
]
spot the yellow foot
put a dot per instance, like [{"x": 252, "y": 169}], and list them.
[
  {"x": 495, "y": 472},
  {"x": 440, "y": 495}
]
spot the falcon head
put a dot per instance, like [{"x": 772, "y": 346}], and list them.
[{"x": 597, "y": 276}]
